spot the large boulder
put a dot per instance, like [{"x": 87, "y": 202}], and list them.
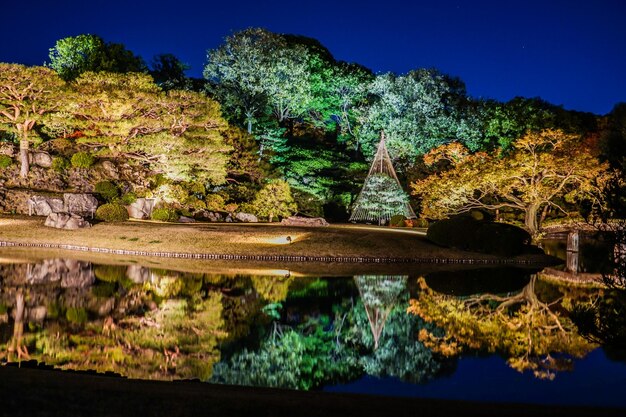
[
  {"x": 141, "y": 208},
  {"x": 246, "y": 218},
  {"x": 43, "y": 206},
  {"x": 465, "y": 232},
  {"x": 81, "y": 204},
  {"x": 304, "y": 221},
  {"x": 66, "y": 221},
  {"x": 42, "y": 159}
]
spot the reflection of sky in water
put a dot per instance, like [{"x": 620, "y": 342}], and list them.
[{"x": 597, "y": 381}]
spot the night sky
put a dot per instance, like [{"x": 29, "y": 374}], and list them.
[{"x": 571, "y": 53}]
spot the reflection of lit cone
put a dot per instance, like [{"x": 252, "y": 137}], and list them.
[{"x": 379, "y": 294}]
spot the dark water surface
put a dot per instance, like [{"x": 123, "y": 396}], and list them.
[{"x": 494, "y": 335}]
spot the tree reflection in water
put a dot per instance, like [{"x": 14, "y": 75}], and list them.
[{"x": 530, "y": 333}]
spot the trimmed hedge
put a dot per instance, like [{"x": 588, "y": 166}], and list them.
[
  {"x": 5, "y": 161},
  {"x": 60, "y": 164},
  {"x": 112, "y": 212},
  {"x": 82, "y": 160},
  {"x": 465, "y": 232},
  {"x": 107, "y": 190},
  {"x": 164, "y": 215}
]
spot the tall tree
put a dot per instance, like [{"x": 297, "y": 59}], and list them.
[
  {"x": 255, "y": 71},
  {"x": 418, "y": 111},
  {"x": 544, "y": 169},
  {"x": 74, "y": 55},
  {"x": 179, "y": 133},
  {"x": 27, "y": 95}
]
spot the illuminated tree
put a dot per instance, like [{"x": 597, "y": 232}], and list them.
[
  {"x": 274, "y": 200},
  {"x": 178, "y": 133},
  {"x": 522, "y": 327},
  {"x": 542, "y": 168},
  {"x": 255, "y": 69},
  {"x": 75, "y": 55},
  {"x": 418, "y": 111},
  {"x": 27, "y": 96}
]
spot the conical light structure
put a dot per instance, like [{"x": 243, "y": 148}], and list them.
[{"x": 381, "y": 196}]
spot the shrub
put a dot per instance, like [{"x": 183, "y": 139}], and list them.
[
  {"x": 397, "y": 220},
  {"x": 107, "y": 190},
  {"x": 60, "y": 164},
  {"x": 164, "y": 215},
  {"x": 214, "y": 202},
  {"x": 129, "y": 198},
  {"x": 466, "y": 233},
  {"x": 77, "y": 315},
  {"x": 112, "y": 212},
  {"x": 197, "y": 188},
  {"x": 82, "y": 160},
  {"x": 5, "y": 161}
]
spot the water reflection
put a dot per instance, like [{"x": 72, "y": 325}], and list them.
[{"x": 281, "y": 330}]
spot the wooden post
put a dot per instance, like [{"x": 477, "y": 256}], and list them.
[{"x": 571, "y": 261}]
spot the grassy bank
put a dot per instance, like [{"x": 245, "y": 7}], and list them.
[{"x": 236, "y": 239}]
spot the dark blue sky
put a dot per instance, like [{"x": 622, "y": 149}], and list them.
[{"x": 571, "y": 53}]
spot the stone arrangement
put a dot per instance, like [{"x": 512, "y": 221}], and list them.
[
  {"x": 66, "y": 221},
  {"x": 304, "y": 221}
]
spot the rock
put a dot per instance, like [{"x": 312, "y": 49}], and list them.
[
  {"x": 43, "y": 206},
  {"x": 110, "y": 169},
  {"x": 245, "y": 217},
  {"x": 304, "y": 221},
  {"x": 66, "y": 221},
  {"x": 184, "y": 219},
  {"x": 141, "y": 208},
  {"x": 42, "y": 159},
  {"x": 8, "y": 149},
  {"x": 82, "y": 204},
  {"x": 228, "y": 219}
]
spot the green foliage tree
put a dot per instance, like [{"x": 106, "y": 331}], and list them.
[
  {"x": 27, "y": 96},
  {"x": 253, "y": 69},
  {"x": 418, "y": 111},
  {"x": 274, "y": 200},
  {"x": 75, "y": 55},
  {"x": 544, "y": 169},
  {"x": 178, "y": 133}
]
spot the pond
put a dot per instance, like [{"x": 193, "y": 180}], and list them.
[{"x": 491, "y": 334}]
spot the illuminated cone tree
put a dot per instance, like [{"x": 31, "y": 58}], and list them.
[{"x": 382, "y": 195}]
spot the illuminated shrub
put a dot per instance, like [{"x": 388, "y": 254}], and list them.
[
  {"x": 164, "y": 215},
  {"x": 5, "y": 161},
  {"x": 107, "y": 190},
  {"x": 214, "y": 202},
  {"x": 112, "y": 212},
  {"x": 60, "y": 164},
  {"x": 194, "y": 203},
  {"x": 82, "y": 160},
  {"x": 397, "y": 220},
  {"x": 129, "y": 198}
]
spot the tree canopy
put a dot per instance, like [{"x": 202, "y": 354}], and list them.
[
  {"x": 544, "y": 169},
  {"x": 75, "y": 55}
]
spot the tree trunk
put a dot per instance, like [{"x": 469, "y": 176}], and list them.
[
  {"x": 530, "y": 219},
  {"x": 24, "y": 164}
]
